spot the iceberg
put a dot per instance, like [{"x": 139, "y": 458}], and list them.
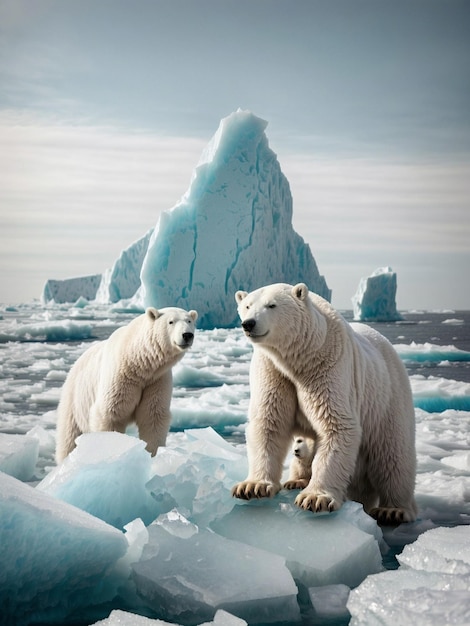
[
  {"x": 231, "y": 230},
  {"x": 122, "y": 281},
  {"x": 374, "y": 300},
  {"x": 71, "y": 289}
]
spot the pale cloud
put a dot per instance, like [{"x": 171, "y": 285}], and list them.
[
  {"x": 73, "y": 196},
  {"x": 360, "y": 214}
]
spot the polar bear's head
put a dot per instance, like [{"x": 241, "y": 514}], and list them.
[
  {"x": 303, "y": 448},
  {"x": 174, "y": 327},
  {"x": 272, "y": 313}
]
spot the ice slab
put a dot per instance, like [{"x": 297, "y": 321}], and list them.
[
  {"x": 186, "y": 580},
  {"x": 106, "y": 476},
  {"x": 55, "y": 559},
  {"x": 319, "y": 549},
  {"x": 18, "y": 455}
]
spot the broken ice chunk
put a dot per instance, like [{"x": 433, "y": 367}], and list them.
[
  {"x": 445, "y": 550},
  {"x": 106, "y": 476},
  {"x": 187, "y": 580},
  {"x": 55, "y": 559}
]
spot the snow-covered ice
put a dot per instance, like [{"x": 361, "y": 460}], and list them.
[
  {"x": 374, "y": 300},
  {"x": 113, "y": 534},
  {"x": 433, "y": 580}
]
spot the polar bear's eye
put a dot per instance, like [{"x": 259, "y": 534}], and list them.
[
  {"x": 170, "y": 322},
  {"x": 271, "y": 306}
]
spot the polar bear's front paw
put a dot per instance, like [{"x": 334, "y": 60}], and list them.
[
  {"x": 249, "y": 489},
  {"x": 318, "y": 503},
  {"x": 300, "y": 483}
]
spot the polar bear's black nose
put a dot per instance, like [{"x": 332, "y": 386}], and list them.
[
  {"x": 188, "y": 337},
  {"x": 248, "y": 325}
]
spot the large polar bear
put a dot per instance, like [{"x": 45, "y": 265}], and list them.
[
  {"x": 126, "y": 378},
  {"x": 314, "y": 375}
]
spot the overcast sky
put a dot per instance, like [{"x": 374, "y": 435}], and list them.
[{"x": 106, "y": 105}]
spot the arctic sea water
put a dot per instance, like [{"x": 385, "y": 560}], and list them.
[{"x": 424, "y": 584}]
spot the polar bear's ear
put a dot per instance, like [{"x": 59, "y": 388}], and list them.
[
  {"x": 153, "y": 313},
  {"x": 300, "y": 291},
  {"x": 240, "y": 295},
  {"x": 193, "y": 315}
]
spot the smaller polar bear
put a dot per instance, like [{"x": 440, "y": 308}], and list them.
[
  {"x": 343, "y": 385},
  {"x": 126, "y": 378},
  {"x": 300, "y": 469}
]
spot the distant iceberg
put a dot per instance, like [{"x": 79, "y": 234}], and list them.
[
  {"x": 374, "y": 300},
  {"x": 231, "y": 230},
  {"x": 71, "y": 289},
  {"x": 122, "y": 281}
]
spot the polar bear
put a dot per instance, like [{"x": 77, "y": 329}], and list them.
[
  {"x": 300, "y": 469},
  {"x": 126, "y": 378},
  {"x": 314, "y": 375}
]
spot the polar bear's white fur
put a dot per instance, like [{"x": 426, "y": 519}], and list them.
[
  {"x": 314, "y": 375},
  {"x": 300, "y": 469},
  {"x": 126, "y": 378}
]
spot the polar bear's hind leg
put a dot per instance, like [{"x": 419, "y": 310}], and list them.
[{"x": 391, "y": 516}]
